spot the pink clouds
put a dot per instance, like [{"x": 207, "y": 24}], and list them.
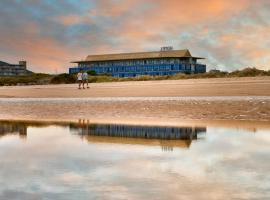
[
  {"x": 115, "y": 8},
  {"x": 229, "y": 33},
  {"x": 172, "y": 16},
  {"x": 167, "y": 19},
  {"x": 203, "y": 21},
  {"x": 43, "y": 54},
  {"x": 69, "y": 20},
  {"x": 250, "y": 44}
]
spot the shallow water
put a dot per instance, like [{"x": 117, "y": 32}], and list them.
[{"x": 90, "y": 161}]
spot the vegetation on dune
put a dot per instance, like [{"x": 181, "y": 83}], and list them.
[
  {"x": 39, "y": 79},
  {"x": 249, "y": 72},
  {"x": 63, "y": 78},
  {"x": 30, "y": 79}
]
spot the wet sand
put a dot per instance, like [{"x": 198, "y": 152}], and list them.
[
  {"x": 164, "y": 112},
  {"x": 160, "y": 102}
]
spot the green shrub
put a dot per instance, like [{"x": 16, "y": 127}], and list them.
[
  {"x": 99, "y": 79},
  {"x": 30, "y": 79},
  {"x": 248, "y": 72},
  {"x": 92, "y": 73},
  {"x": 39, "y": 78},
  {"x": 63, "y": 78}
]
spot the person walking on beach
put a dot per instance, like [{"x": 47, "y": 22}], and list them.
[
  {"x": 79, "y": 79},
  {"x": 85, "y": 79}
]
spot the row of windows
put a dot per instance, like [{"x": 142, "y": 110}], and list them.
[
  {"x": 11, "y": 73},
  {"x": 138, "y": 68},
  {"x": 140, "y": 62},
  {"x": 144, "y": 70},
  {"x": 164, "y": 73},
  {"x": 139, "y": 131},
  {"x": 11, "y": 68}
]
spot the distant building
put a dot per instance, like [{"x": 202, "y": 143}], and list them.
[
  {"x": 158, "y": 63},
  {"x": 7, "y": 69}
]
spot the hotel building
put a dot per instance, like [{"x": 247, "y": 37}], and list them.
[{"x": 157, "y": 63}]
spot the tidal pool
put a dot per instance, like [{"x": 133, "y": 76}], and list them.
[{"x": 65, "y": 161}]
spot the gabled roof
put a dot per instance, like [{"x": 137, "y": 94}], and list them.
[{"x": 139, "y": 55}]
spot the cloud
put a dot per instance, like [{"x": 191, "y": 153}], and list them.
[
  {"x": 69, "y": 20},
  {"x": 230, "y": 34}
]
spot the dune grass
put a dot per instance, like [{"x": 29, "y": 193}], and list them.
[
  {"x": 39, "y": 79},
  {"x": 247, "y": 72},
  {"x": 31, "y": 79}
]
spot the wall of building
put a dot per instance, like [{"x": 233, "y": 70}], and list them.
[
  {"x": 13, "y": 70},
  {"x": 132, "y": 68},
  {"x": 141, "y": 131}
]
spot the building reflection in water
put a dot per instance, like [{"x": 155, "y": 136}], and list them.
[
  {"x": 11, "y": 128},
  {"x": 166, "y": 137}
]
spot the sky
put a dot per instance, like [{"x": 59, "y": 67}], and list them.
[{"x": 50, "y": 34}]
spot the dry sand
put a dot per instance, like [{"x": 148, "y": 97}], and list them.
[
  {"x": 246, "y": 100},
  {"x": 257, "y": 86}
]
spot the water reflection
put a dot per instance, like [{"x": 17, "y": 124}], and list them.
[
  {"x": 166, "y": 137},
  {"x": 107, "y": 161},
  {"x": 11, "y": 128}
]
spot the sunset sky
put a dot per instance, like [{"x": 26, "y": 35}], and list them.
[{"x": 231, "y": 34}]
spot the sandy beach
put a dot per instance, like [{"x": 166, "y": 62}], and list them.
[
  {"x": 255, "y": 86},
  {"x": 164, "y": 102}
]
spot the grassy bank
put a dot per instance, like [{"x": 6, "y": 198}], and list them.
[
  {"x": 39, "y": 79},
  {"x": 31, "y": 79}
]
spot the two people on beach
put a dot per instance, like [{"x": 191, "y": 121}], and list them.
[{"x": 82, "y": 78}]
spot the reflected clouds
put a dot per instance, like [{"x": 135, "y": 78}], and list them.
[{"x": 63, "y": 161}]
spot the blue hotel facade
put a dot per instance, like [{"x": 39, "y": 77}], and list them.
[{"x": 157, "y": 63}]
